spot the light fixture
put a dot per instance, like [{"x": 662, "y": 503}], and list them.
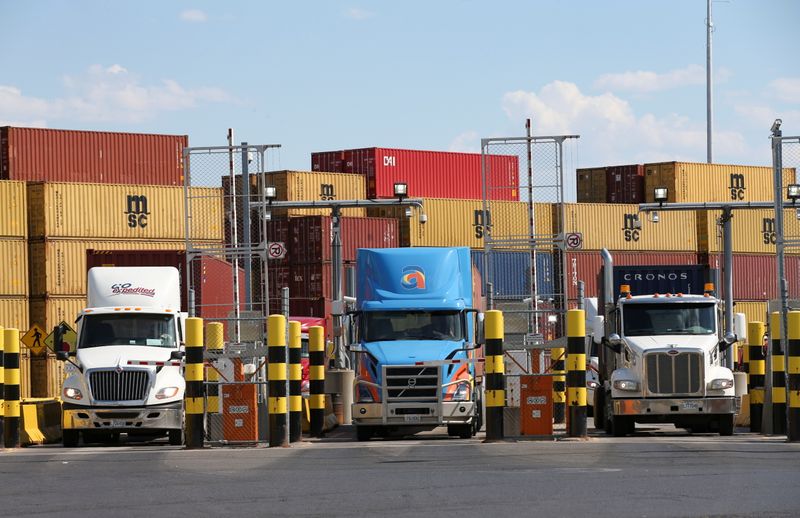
[
  {"x": 267, "y": 215},
  {"x": 270, "y": 192},
  {"x": 408, "y": 212},
  {"x": 793, "y": 192},
  {"x": 654, "y": 217},
  {"x": 401, "y": 190},
  {"x": 660, "y": 195}
]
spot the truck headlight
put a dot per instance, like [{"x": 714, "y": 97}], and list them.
[
  {"x": 72, "y": 393},
  {"x": 167, "y": 392},
  {"x": 720, "y": 384},
  {"x": 591, "y": 384},
  {"x": 461, "y": 393},
  {"x": 628, "y": 385},
  {"x": 364, "y": 395}
]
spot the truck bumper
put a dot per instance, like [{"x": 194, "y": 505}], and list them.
[
  {"x": 414, "y": 414},
  {"x": 681, "y": 406},
  {"x": 124, "y": 419}
]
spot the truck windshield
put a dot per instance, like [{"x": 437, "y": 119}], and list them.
[
  {"x": 412, "y": 325},
  {"x": 668, "y": 319},
  {"x": 127, "y": 329}
]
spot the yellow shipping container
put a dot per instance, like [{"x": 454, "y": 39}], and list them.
[
  {"x": 40, "y": 376},
  {"x": 113, "y": 211},
  {"x": 13, "y": 207},
  {"x": 463, "y": 222},
  {"x": 14, "y": 256},
  {"x": 14, "y": 313},
  {"x": 592, "y": 185},
  {"x": 752, "y": 231},
  {"x": 48, "y": 312},
  {"x": 58, "y": 266},
  {"x": 755, "y": 311},
  {"x": 316, "y": 186},
  {"x": 618, "y": 226},
  {"x": 698, "y": 182}
]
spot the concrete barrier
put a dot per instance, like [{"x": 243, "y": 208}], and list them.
[{"x": 40, "y": 421}]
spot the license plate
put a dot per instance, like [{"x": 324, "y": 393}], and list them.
[
  {"x": 690, "y": 405},
  {"x": 412, "y": 418},
  {"x": 118, "y": 423}
]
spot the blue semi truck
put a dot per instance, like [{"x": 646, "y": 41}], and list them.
[{"x": 418, "y": 330}]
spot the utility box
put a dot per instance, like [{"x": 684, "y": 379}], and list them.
[
  {"x": 536, "y": 404},
  {"x": 240, "y": 413}
]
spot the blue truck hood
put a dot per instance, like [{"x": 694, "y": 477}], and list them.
[{"x": 408, "y": 352}]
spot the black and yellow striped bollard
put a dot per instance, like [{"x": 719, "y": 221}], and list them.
[
  {"x": 755, "y": 378},
  {"x": 559, "y": 384},
  {"x": 316, "y": 380},
  {"x": 778, "y": 376},
  {"x": 195, "y": 389},
  {"x": 495, "y": 375},
  {"x": 576, "y": 372},
  {"x": 215, "y": 343},
  {"x": 276, "y": 356},
  {"x": 2, "y": 378},
  {"x": 295, "y": 382},
  {"x": 11, "y": 388},
  {"x": 792, "y": 377}
]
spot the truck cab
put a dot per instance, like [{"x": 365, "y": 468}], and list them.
[
  {"x": 417, "y": 346},
  {"x": 124, "y": 372}
]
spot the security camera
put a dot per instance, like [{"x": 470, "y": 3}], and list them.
[
  {"x": 776, "y": 126},
  {"x": 654, "y": 217},
  {"x": 423, "y": 218}
]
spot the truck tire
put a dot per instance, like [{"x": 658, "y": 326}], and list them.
[
  {"x": 477, "y": 420},
  {"x": 175, "y": 437},
  {"x": 599, "y": 404},
  {"x": 464, "y": 431},
  {"x": 608, "y": 414},
  {"x": 726, "y": 425},
  {"x": 364, "y": 433},
  {"x": 70, "y": 438},
  {"x": 622, "y": 425}
]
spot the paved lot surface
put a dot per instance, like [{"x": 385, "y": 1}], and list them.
[{"x": 657, "y": 472}]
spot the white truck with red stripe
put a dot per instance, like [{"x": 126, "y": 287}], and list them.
[{"x": 124, "y": 371}]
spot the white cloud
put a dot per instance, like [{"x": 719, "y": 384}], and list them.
[
  {"x": 611, "y": 132},
  {"x": 785, "y": 89},
  {"x": 110, "y": 94},
  {"x": 467, "y": 142},
  {"x": 355, "y": 13},
  {"x": 193, "y": 16},
  {"x": 646, "y": 81}
]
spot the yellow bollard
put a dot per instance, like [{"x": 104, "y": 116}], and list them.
[
  {"x": 195, "y": 390},
  {"x": 576, "y": 372},
  {"x": 11, "y": 388},
  {"x": 316, "y": 379},
  {"x": 295, "y": 382},
  {"x": 495, "y": 375}
]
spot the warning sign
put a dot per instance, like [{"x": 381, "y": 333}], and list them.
[
  {"x": 276, "y": 250},
  {"x": 573, "y": 241},
  {"x": 69, "y": 339},
  {"x": 34, "y": 340}
]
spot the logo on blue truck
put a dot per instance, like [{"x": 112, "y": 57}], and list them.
[{"x": 413, "y": 278}]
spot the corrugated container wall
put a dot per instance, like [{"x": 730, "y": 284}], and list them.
[
  {"x": 14, "y": 279},
  {"x": 86, "y": 210},
  {"x": 14, "y": 313},
  {"x": 592, "y": 185},
  {"x": 315, "y": 186},
  {"x": 585, "y": 266},
  {"x": 511, "y": 272},
  {"x": 622, "y": 227},
  {"x": 51, "y": 155},
  {"x": 311, "y": 237},
  {"x": 753, "y": 231},
  {"x": 48, "y": 312},
  {"x": 625, "y": 184},
  {"x": 463, "y": 222},
  {"x": 429, "y": 174},
  {"x": 13, "y": 203},
  {"x": 755, "y": 311},
  {"x": 755, "y": 276},
  {"x": 697, "y": 182}
]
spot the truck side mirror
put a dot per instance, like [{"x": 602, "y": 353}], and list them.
[
  {"x": 598, "y": 328},
  {"x": 62, "y": 356},
  {"x": 177, "y": 355},
  {"x": 480, "y": 330},
  {"x": 58, "y": 339},
  {"x": 740, "y": 326},
  {"x": 614, "y": 343},
  {"x": 728, "y": 340}
]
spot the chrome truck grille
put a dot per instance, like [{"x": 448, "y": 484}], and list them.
[
  {"x": 124, "y": 385},
  {"x": 409, "y": 383},
  {"x": 669, "y": 374}
]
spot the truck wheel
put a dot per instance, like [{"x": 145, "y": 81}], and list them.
[
  {"x": 600, "y": 405},
  {"x": 175, "y": 437},
  {"x": 464, "y": 431},
  {"x": 363, "y": 433},
  {"x": 477, "y": 420},
  {"x": 70, "y": 438},
  {"x": 726, "y": 425},
  {"x": 609, "y": 415},
  {"x": 622, "y": 425}
]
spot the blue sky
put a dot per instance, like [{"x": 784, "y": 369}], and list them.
[{"x": 627, "y": 75}]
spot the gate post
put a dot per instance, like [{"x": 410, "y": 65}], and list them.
[
  {"x": 295, "y": 381},
  {"x": 195, "y": 390},
  {"x": 316, "y": 377},
  {"x": 576, "y": 372},
  {"x": 276, "y": 374},
  {"x": 495, "y": 375},
  {"x": 755, "y": 379}
]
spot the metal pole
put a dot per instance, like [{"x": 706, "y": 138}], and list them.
[
  {"x": 709, "y": 83},
  {"x": 563, "y": 212},
  {"x": 248, "y": 258},
  {"x": 727, "y": 285},
  {"x": 336, "y": 275},
  {"x": 237, "y": 325},
  {"x": 532, "y": 226}
]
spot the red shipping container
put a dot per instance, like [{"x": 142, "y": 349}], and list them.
[
  {"x": 585, "y": 266},
  {"x": 306, "y": 307},
  {"x": 429, "y": 174},
  {"x": 314, "y": 280},
  {"x": 311, "y": 237},
  {"x": 625, "y": 184},
  {"x": 755, "y": 276},
  {"x": 279, "y": 278},
  {"x": 51, "y": 155}
]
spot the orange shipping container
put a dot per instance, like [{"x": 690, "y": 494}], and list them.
[
  {"x": 13, "y": 207},
  {"x": 697, "y": 182},
  {"x": 464, "y": 223},
  {"x": 618, "y": 226},
  {"x": 752, "y": 231},
  {"x": 14, "y": 279},
  {"x": 87, "y": 210},
  {"x": 592, "y": 185}
]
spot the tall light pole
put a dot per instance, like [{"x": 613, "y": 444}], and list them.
[{"x": 709, "y": 84}]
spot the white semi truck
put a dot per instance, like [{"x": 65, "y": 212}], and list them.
[
  {"x": 124, "y": 373},
  {"x": 660, "y": 358}
]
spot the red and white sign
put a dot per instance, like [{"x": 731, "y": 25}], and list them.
[{"x": 276, "y": 250}]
